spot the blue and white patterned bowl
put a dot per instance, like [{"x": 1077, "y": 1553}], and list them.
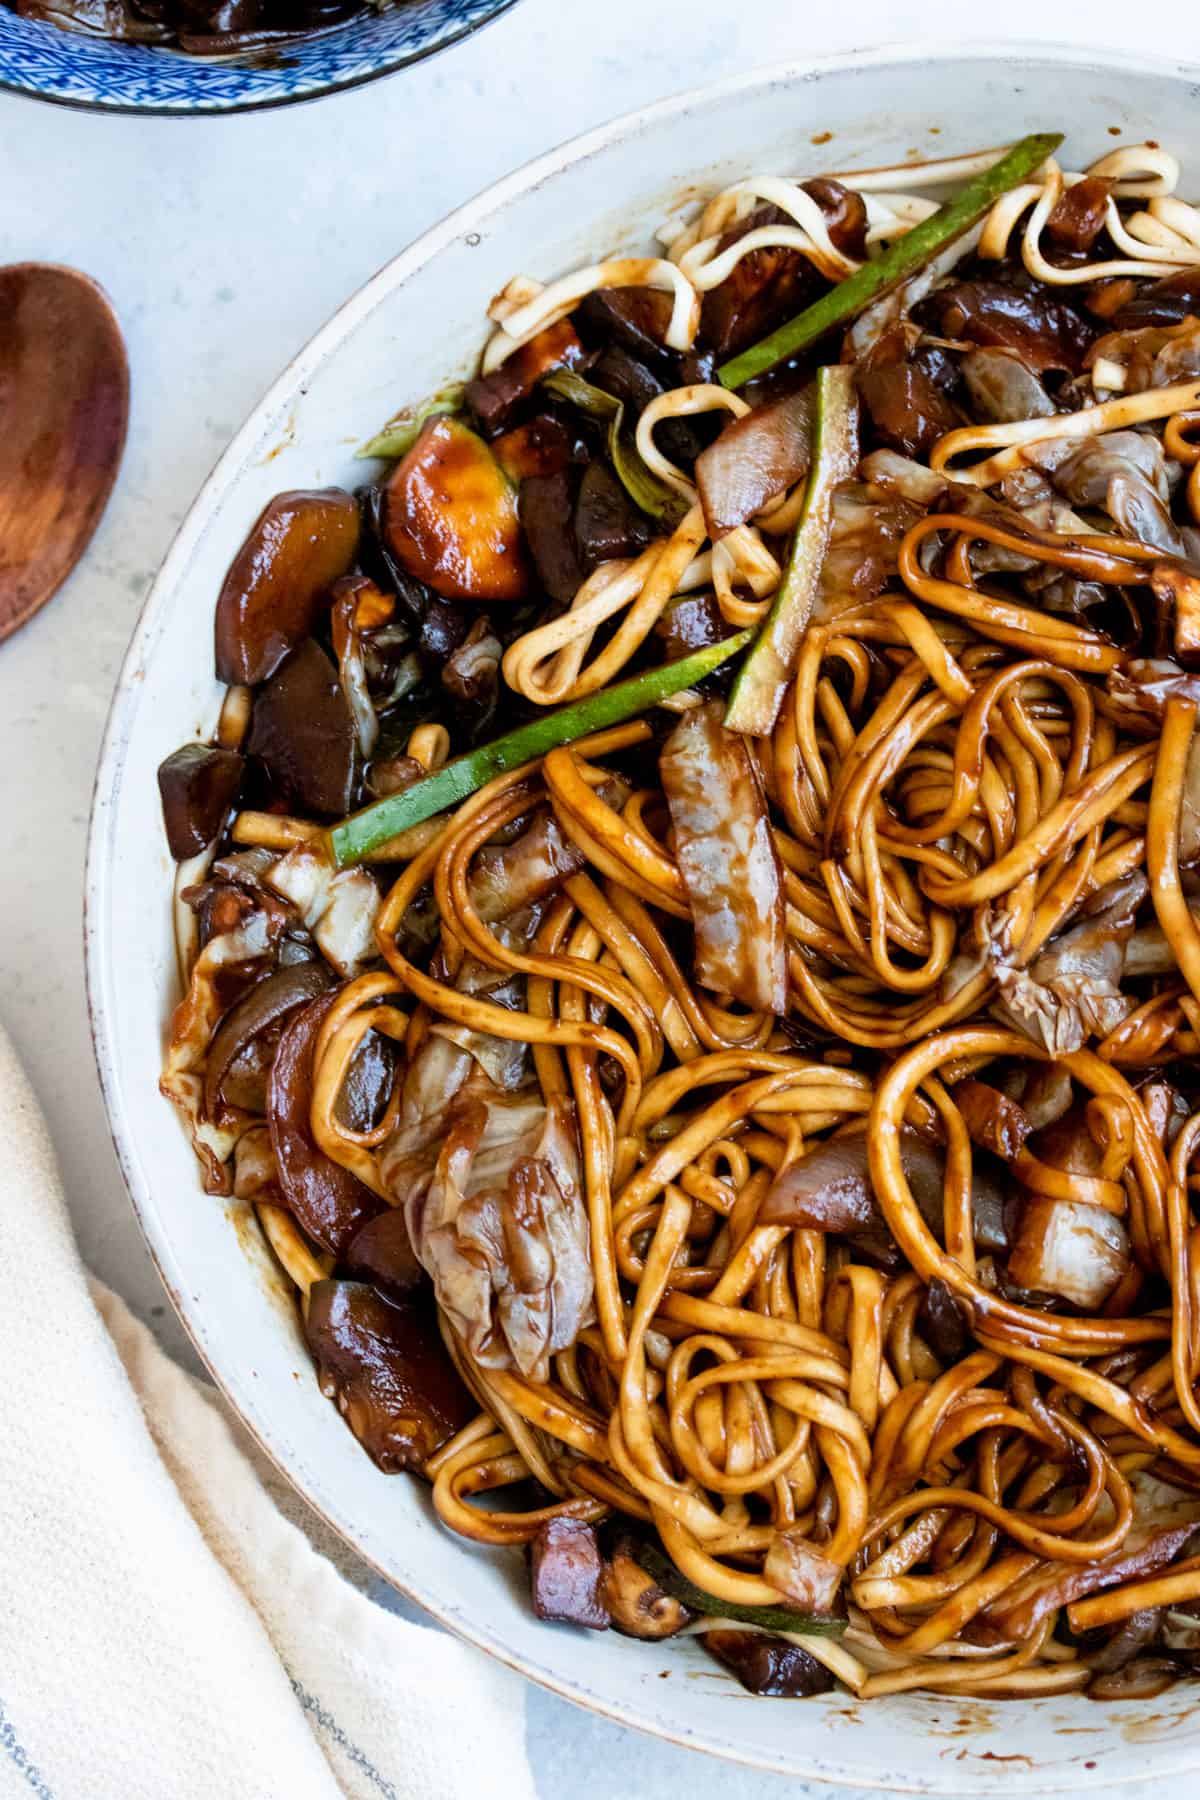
[{"x": 74, "y": 70}]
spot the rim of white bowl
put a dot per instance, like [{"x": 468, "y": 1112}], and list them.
[{"x": 100, "y": 963}]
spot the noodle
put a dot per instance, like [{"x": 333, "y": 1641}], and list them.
[{"x": 880, "y": 1306}]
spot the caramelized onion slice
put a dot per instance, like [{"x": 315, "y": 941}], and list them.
[
  {"x": 756, "y": 458},
  {"x": 257, "y": 1013},
  {"x": 829, "y": 1189},
  {"x": 330, "y": 1203}
]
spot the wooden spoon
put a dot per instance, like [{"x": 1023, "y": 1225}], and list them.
[{"x": 64, "y": 407}]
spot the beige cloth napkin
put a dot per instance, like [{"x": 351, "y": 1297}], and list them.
[{"x": 166, "y": 1631}]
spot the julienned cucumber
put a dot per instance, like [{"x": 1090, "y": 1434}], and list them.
[
  {"x": 364, "y": 832},
  {"x": 770, "y": 1618},
  {"x": 762, "y": 679},
  {"x": 901, "y": 258}
]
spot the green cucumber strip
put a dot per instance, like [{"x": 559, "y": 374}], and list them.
[
  {"x": 901, "y": 258},
  {"x": 363, "y": 832},
  {"x": 761, "y": 681},
  {"x": 771, "y": 1618}
]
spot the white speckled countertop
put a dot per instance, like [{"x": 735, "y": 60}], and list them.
[{"x": 224, "y": 244}]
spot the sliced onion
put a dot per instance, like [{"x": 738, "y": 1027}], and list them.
[
  {"x": 755, "y": 459},
  {"x": 827, "y": 1190},
  {"x": 798, "y": 1569},
  {"x": 1044, "y": 1091},
  {"x": 901, "y": 475},
  {"x": 267, "y": 1003},
  {"x": 1064, "y": 1247},
  {"x": 830, "y": 1190},
  {"x": 1003, "y": 388},
  {"x": 993, "y": 1121}
]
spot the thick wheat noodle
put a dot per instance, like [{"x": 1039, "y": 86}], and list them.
[
  {"x": 1162, "y": 839},
  {"x": 547, "y": 664},
  {"x": 1157, "y": 241},
  {"x": 520, "y": 317},
  {"x": 996, "y": 708},
  {"x": 1006, "y": 441}
]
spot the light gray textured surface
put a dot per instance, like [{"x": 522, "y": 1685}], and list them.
[{"x": 224, "y": 244}]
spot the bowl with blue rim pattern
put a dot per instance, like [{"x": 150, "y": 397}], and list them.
[{"x": 72, "y": 68}]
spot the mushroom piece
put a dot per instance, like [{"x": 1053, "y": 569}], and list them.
[
  {"x": 769, "y": 1665},
  {"x": 197, "y": 785},
  {"x": 772, "y": 282},
  {"x": 496, "y": 398},
  {"x": 829, "y": 1189},
  {"x": 638, "y": 1606},
  {"x": 1080, "y": 212},
  {"x": 607, "y": 524},
  {"x": 368, "y": 1082},
  {"x": 906, "y": 406},
  {"x": 381, "y": 1252},
  {"x": 942, "y": 1322},
  {"x": 567, "y": 1572},
  {"x": 386, "y": 1367},
  {"x": 304, "y": 732},
  {"x": 299, "y": 545},
  {"x": 547, "y": 510},
  {"x": 1044, "y": 331},
  {"x": 1143, "y": 1679}
]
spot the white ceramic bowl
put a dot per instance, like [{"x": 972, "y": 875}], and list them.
[{"x": 417, "y": 323}]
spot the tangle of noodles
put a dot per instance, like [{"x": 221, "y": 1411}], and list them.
[{"x": 890, "y": 1298}]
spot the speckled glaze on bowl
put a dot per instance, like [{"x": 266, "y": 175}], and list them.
[
  {"x": 416, "y": 324},
  {"x": 72, "y": 69}
]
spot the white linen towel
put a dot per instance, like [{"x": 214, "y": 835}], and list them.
[{"x": 166, "y": 1632}]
